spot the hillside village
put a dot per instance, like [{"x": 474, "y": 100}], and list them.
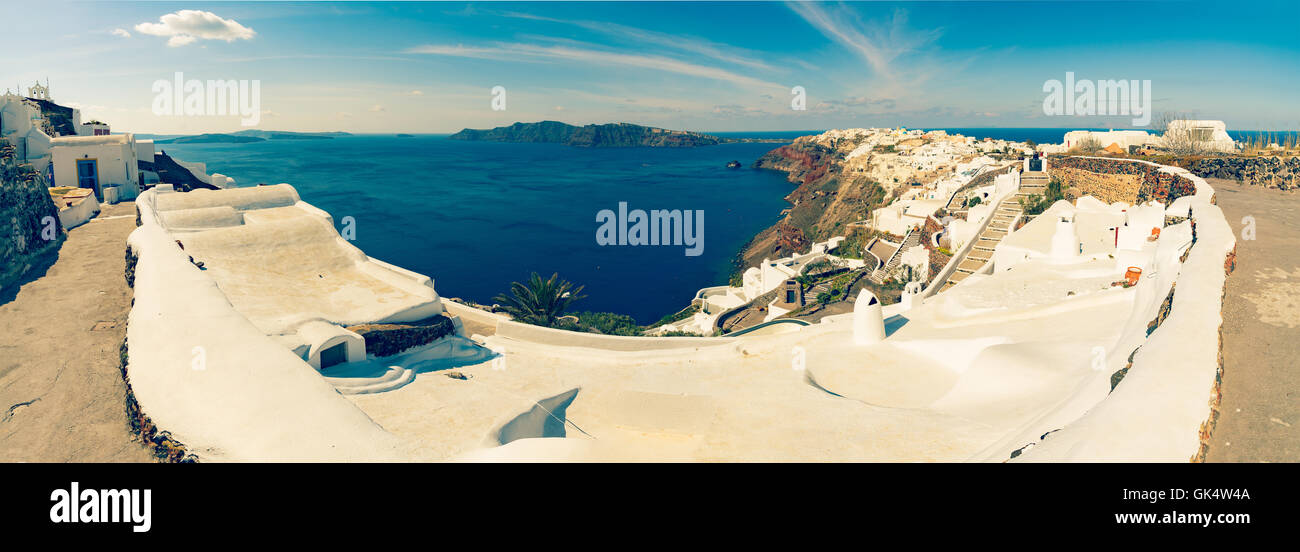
[{"x": 69, "y": 155}]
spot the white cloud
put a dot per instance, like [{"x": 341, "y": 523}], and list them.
[
  {"x": 377, "y": 108},
  {"x": 122, "y": 33},
  {"x": 186, "y": 26},
  {"x": 416, "y": 92}
]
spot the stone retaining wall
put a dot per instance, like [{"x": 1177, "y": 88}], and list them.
[
  {"x": 1106, "y": 187},
  {"x": 390, "y": 339},
  {"x": 25, "y": 232},
  {"x": 1156, "y": 184}
]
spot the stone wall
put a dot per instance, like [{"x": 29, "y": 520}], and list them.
[
  {"x": 1155, "y": 184},
  {"x": 390, "y": 339},
  {"x": 25, "y": 232},
  {"x": 1272, "y": 172},
  {"x": 1106, "y": 187}
]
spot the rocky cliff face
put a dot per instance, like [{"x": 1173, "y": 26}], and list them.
[
  {"x": 590, "y": 136},
  {"x": 827, "y": 198},
  {"x": 25, "y": 231}
]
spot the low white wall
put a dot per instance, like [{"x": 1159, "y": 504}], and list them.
[
  {"x": 472, "y": 314},
  {"x": 79, "y": 213},
  {"x": 562, "y": 338},
  {"x": 204, "y": 373},
  {"x": 1157, "y": 411}
]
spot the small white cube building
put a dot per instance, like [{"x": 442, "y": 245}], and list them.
[{"x": 106, "y": 164}]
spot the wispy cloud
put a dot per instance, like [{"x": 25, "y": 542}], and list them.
[
  {"x": 878, "y": 45},
  {"x": 513, "y": 52},
  {"x": 694, "y": 45}
]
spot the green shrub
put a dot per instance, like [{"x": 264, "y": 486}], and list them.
[{"x": 608, "y": 323}]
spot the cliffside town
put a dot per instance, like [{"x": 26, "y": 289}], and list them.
[{"x": 843, "y": 175}]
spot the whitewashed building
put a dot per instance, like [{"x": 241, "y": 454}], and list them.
[
  {"x": 23, "y": 126},
  {"x": 1206, "y": 134},
  {"x": 1122, "y": 138},
  {"x": 107, "y": 164}
]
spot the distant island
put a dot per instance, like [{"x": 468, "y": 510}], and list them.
[
  {"x": 210, "y": 139},
  {"x": 286, "y": 135},
  {"x": 590, "y": 136},
  {"x": 244, "y": 136}
]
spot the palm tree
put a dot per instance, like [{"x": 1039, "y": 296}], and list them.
[{"x": 539, "y": 301}]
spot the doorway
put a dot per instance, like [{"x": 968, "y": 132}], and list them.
[{"x": 88, "y": 176}]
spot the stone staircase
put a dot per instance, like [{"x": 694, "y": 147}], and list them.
[
  {"x": 1004, "y": 217},
  {"x": 912, "y": 239}
]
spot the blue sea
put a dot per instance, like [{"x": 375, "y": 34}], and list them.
[{"x": 476, "y": 216}]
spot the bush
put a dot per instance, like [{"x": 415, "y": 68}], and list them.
[
  {"x": 608, "y": 323},
  {"x": 679, "y": 315},
  {"x": 1036, "y": 204}
]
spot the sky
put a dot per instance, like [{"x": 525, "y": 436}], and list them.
[{"x": 714, "y": 67}]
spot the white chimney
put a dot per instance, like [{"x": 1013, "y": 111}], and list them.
[{"x": 868, "y": 319}]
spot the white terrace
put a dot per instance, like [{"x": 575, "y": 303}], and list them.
[{"x": 981, "y": 372}]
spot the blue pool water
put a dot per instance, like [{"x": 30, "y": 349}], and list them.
[{"x": 476, "y": 216}]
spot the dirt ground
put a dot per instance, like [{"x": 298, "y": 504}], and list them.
[
  {"x": 61, "y": 396},
  {"x": 1260, "y": 419}
]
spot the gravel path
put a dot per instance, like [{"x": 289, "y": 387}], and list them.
[
  {"x": 61, "y": 395},
  {"x": 1260, "y": 419}
]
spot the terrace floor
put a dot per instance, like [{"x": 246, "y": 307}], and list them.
[{"x": 1260, "y": 419}]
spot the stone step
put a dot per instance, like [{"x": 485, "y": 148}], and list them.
[
  {"x": 980, "y": 254},
  {"x": 970, "y": 265},
  {"x": 986, "y": 245}
]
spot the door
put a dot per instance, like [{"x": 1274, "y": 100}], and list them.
[{"x": 88, "y": 175}]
